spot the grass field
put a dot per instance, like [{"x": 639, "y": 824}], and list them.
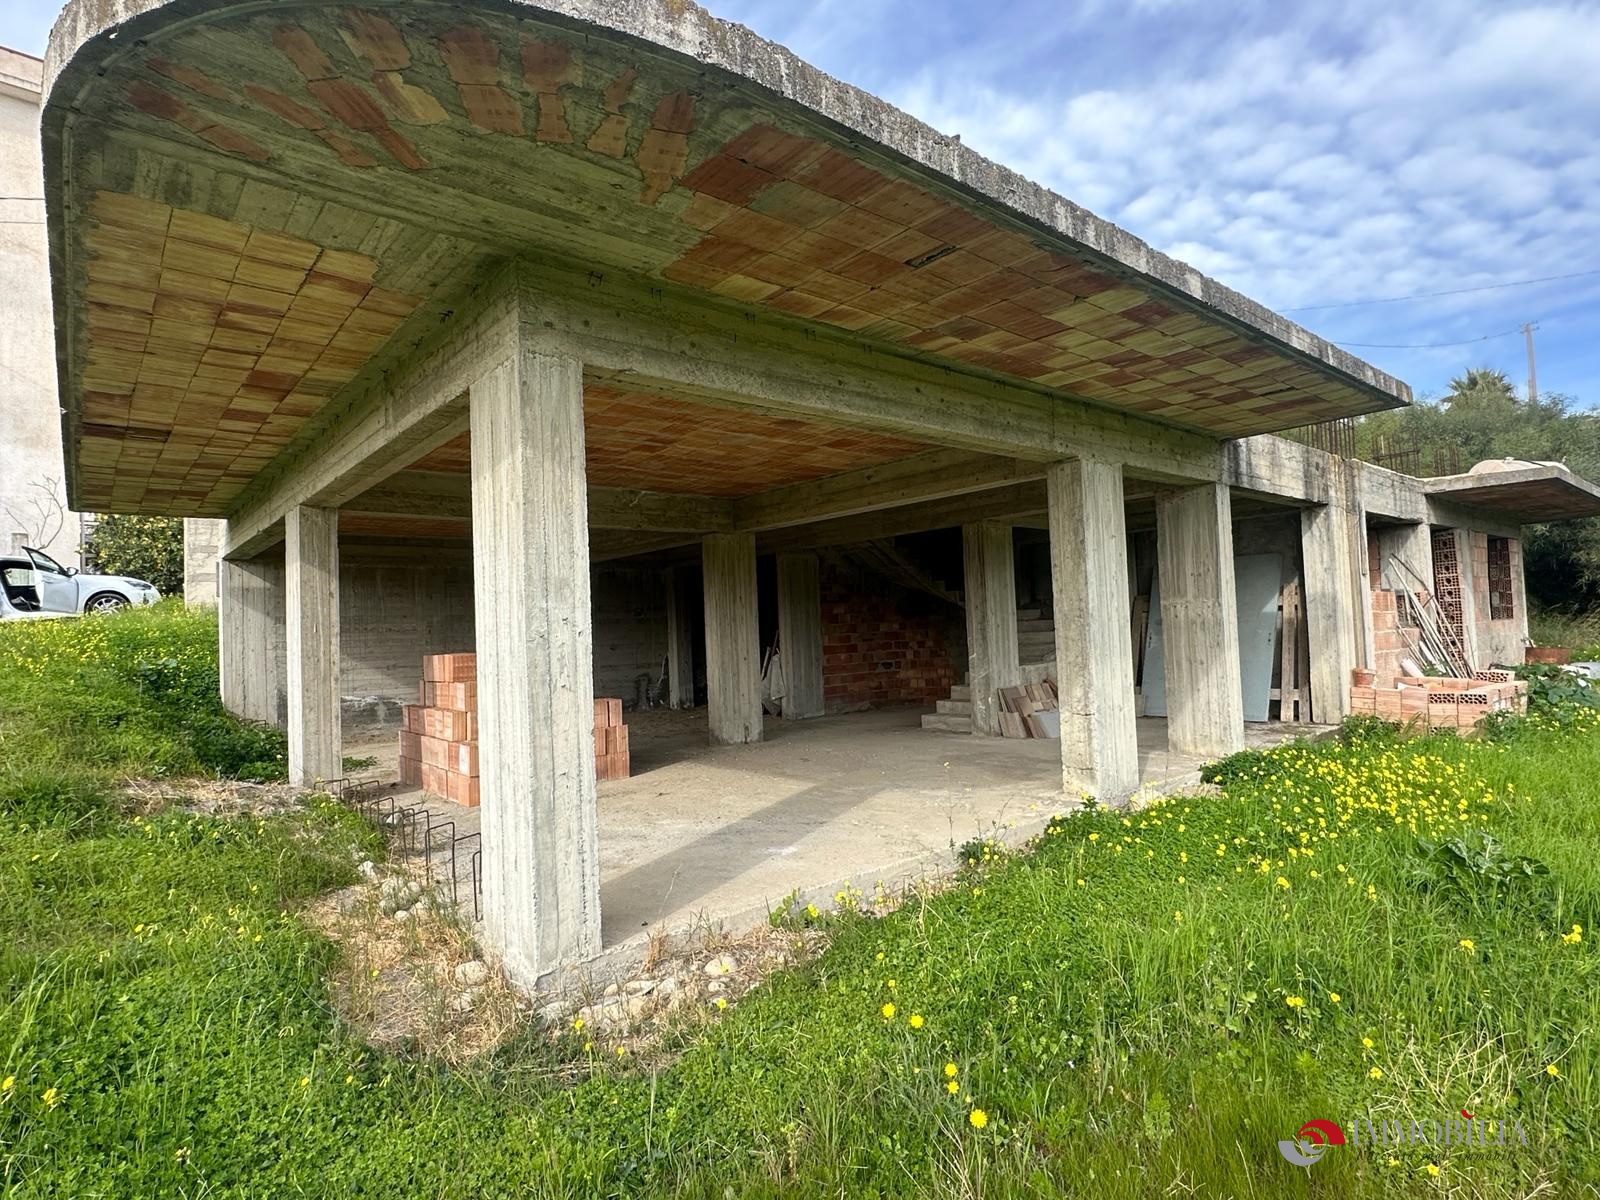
[{"x": 1142, "y": 1004}]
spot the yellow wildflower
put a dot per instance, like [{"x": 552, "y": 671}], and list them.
[
  {"x": 1553, "y": 1071},
  {"x": 1468, "y": 945},
  {"x": 950, "y": 1070},
  {"x": 1375, "y": 1073},
  {"x": 888, "y": 1012},
  {"x": 1295, "y": 1002},
  {"x": 915, "y": 1021},
  {"x": 978, "y": 1118},
  {"x": 952, "y": 1087}
]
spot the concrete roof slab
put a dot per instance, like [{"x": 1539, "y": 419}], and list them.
[{"x": 254, "y": 207}]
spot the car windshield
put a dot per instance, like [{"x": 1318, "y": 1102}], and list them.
[{"x": 44, "y": 561}]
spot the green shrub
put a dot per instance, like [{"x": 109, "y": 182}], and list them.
[{"x": 148, "y": 548}]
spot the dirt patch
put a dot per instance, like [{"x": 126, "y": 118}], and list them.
[
  {"x": 410, "y": 977},
  {"x": 213, "y": 797}
]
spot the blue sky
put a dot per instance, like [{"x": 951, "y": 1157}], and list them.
[{"x": 1307, "y": 154}]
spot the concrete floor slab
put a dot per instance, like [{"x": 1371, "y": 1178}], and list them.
[{"x": 703, "y": 835}]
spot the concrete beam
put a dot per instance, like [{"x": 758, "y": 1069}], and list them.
[
  {"x": 1279, "y": 468},
  {"x": 541, "y": 865},
  {"x": 931, "y": 475},
  {"x": 733, "y": 640},
  {"x": 311, "y": 604},
  {"x": 800, "y": 634},
  {"x": 1013, "y": 504},
  {"x": 384, "y": 426},
  {"x": 1094, "y": 639},
  {"x": 250, "y": 620},
  {"x": 1200, "y": 622},
  {"x": 680, "y": 636},
  {"x": 645, "y": 337},
  {"x": 991, "y": 604}
]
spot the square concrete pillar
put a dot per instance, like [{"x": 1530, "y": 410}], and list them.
[
  {"x": 680, "y": 637},
  {"x": 733, "y": 639},
  {"x": 530, "y": 543},
  {"x": 1094, "y": 639},
  {"x": 1329, "y": 537},
  {"x": 1199, "y": 619},
  {"x": 800, "y": 634},
  {"x": 991, "y": 601},
  {"x": 311, "y": 608},
  {"x": 250, "y": 616}
]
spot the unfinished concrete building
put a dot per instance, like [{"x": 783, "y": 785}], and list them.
[{"x": 619, "y": 345}]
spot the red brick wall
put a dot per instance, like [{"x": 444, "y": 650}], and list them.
[{"x": 882, "y": 644}]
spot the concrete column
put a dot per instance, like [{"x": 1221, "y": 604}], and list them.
[
  {"x": 202, "y": 551},
  {"x": 991, "y": 601},
  {"x": 680, "y": 637},
  {"x": 1331, "y": 604},
  {"x": 1471, "y": 616},
  {"x": 530, "y": 542},
  {"x": 250, "y": 634},
  {"x": 733, "y": 640},
  {"x": 800, "y": 634},
  {"x": 1094, "y": 641},
  {"x": 311, "y": 607},
  {"x": 1199, "y": 620}
]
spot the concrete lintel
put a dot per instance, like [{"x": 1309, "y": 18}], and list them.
[
  {"x": 1089, "y": 573},
  {"x": 1385, "y": 493},
  {"x": 311, "y": 605},
  {"x": 541, "y": 867},
  {"x": 1199, "y": 617},
  {"x": 1443, "y": 511},
  {"x": 991, "y": 604},
  {"x": 733, "y": 639}
]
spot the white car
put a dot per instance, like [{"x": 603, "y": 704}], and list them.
[{"x": 38, "y": 586}]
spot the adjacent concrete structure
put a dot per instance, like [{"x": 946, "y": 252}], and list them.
[
  {"x": 619, "y": 344},
  {"x": 33, "y": 497}
]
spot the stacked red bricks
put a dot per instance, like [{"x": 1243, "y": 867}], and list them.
[
  {"x": 1442, "y": 703},
  {"x": 610, "y": 740},
  {"x": 439, "y": 736}
]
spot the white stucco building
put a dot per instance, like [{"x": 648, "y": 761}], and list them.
[{"x": 33, "y": 496}]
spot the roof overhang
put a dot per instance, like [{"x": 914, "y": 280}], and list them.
[
  {"x": 256, "y": 208},
  {"x": 1529, "y": 494}
]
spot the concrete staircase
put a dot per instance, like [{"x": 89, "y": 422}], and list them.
[
  {"x": 1036, "y": 636},
  {"x": 954, "y": 715},
  {"x": 1036, "y": 645}
]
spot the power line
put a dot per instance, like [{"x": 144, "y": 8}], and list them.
[
  {"x": 1488, "y": 337},
  {"x": 1487, "y": 287}
]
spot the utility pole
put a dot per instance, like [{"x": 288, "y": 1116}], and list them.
[{"x": 1533, "y": 383}]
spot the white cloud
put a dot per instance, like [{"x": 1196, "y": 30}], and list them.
[{"x": 1387, "y": 150}]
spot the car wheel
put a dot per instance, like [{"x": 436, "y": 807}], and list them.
[{"x": 105, "y": 602}]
